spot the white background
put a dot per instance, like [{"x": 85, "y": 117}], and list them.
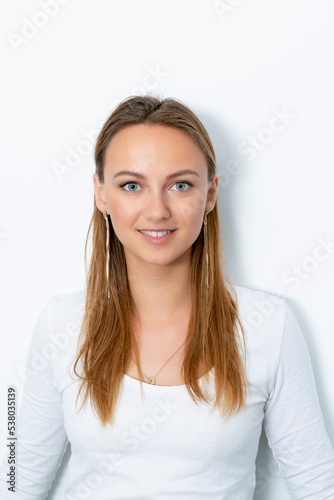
[{"x": 236, "y": 64}]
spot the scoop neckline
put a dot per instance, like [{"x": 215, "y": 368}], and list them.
[{"x": 135, "y": 381}]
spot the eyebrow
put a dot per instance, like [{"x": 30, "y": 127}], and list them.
[{"x": 141, "y": 176}]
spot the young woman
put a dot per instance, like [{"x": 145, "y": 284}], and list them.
[{"x": 160, "y": 373}]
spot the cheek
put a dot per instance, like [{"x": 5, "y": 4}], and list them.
[
  {"x": 118, "y": 214},
  {"x": 195, "y": 230},
  {"x": 192, "y": 208},
  {"x": 120, "y": 207},
  {"x": 123, "y": 215},
  {"x": 188, "y": 210}
]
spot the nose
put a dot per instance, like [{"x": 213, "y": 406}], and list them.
[{"x": 157, "y": 207}]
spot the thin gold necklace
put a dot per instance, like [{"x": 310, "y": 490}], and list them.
[{"x": 151, "y": 380}]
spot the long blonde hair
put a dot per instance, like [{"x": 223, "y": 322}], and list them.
[{"x": 107, "y": 338}]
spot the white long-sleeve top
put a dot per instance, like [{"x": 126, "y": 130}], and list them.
[{"x": 167, "y": 447}]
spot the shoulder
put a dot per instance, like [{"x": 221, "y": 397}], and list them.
[
  {"x": 258, "y": 308},
  {"x": 56, "y": 313},
  {"x": 55, "y": 335},
  {"x": 65, "y": 313},
  {"x": 59, "y": 323},
  {"x": 263, "y": 316},
  {"x": 66, "y": 307}
]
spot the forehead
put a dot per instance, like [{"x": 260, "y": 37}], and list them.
[{"x": 150, "y": 144}]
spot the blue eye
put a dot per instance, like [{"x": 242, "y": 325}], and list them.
[
  {"x": 131, "y": 184},
  {"x": 184, "y": 182},
  {"x": 135, "y": 184}
]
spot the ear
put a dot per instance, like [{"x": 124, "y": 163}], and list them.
[
  {"x": 212, "y": 194},
  {"x": 100, "y": 198}
]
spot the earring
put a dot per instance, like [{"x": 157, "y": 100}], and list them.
[
  {"x": 206, "y": 275},
  {"x": 107, "y": 253}
]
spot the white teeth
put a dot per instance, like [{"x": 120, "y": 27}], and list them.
[{"x": 155, "y": 234}]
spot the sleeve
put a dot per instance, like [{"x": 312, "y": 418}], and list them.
[
  {"x": 41, "y": 438},
  {"x": 294, "y": 424}
]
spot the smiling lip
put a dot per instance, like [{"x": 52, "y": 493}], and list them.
[
  {"x": 158, "y": 240},
  {"x": 156, "y": 230}
]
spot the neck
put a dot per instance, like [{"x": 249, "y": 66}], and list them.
[{"x": 161, "y": 293}]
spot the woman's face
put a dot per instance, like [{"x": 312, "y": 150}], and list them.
[{"x": 154, "y": 196}]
